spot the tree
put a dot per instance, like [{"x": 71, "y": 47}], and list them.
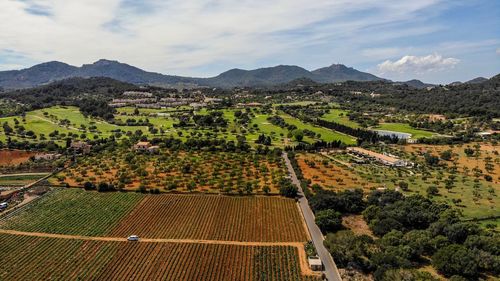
[
  {"x": 432, "y": 190},
  {"x": 329, "y": 220},
  {"x": 298, "y": 135},
  {"x": 266, "y": 189},
  {"x": 403, "y": 185},
  {"x": 288, "y": 189},
  {"x": 431, "y": 160},
  {"x": 455, "y": 260},
  {"x": 469, "y": 152},
  {"x": 88, "y": 186},
  {"x": 446, "y": 155}
]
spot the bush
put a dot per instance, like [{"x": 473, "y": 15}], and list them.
[
  {"x": 455, "y": 260},
  {"x": 288, "y": 189},
  {"x": 88, "y": 186},
  {"x": 329, "y": 220}
]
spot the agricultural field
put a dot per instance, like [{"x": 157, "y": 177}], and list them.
[
  {"x": 74, "y": 211},
  {"x": 405, "y": 128},
  {"x": 262, "y": 219},
  {"x": 471, "y": 193},
  {"x": 169, "y": 216},
  {"x": 181, "y": 171},
  {"x": 329, "y": 174},
  {"x": 485, "y": 157},
  {"x": 41, "y": 258}
]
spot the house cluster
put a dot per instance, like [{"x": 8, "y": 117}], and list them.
[
  {"x": 139, "y": 102},
  {"x": 135, "y": 94},
  {"x": 385, "y": 159},
  {"x": 249, "y": 104},
  {"x": 145, "y": 146},
  {"x": 47, "y": 156},
  {"x": 148, "y": 100}
]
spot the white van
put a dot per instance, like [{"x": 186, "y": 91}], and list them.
[{"x": 133, "y": 238}]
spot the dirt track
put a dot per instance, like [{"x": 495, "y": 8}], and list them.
[{"x": 300, "y": 247}]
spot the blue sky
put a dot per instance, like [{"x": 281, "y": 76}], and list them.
[{"x": 437, "y": 41}]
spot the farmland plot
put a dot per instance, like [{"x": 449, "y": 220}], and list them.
[
  {"x": 263, "y": 219},
  {"x": 39, "y": 258},
  {"x": 74, "y": 211},
  {"x": 211, "y": 172}
]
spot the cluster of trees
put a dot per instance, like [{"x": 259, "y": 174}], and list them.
[
  {"x": 408, "y": 230},
  {"x": 315, "y": 146},
  {"x": 25, "y": 145},
  {"x": 213, "y": 119},
  {"x": 96, "y": 108},
  {"x": 243, "y": 117},
  {"x": 263, "y": 139},
  {"x": 73, "y": 91}
]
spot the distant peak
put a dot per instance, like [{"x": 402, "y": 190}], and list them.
[{"x": 105, "y": 62}]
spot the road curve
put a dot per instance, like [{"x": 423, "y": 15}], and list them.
[{"x": 330, "y": 268}]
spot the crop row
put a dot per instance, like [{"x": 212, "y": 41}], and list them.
[
  {"x": 74, "y": 211},
  {"x": 264, "y": 219},
  {"x": 36, "y": 258}
]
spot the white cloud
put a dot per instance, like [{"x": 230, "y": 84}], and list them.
[
  {"x": 177, "y": 36},
  {"x": 498, "y": 51},
  {"x": 417, "y": 65}
]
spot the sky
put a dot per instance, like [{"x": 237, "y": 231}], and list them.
[{"x": 436, "y": 41}]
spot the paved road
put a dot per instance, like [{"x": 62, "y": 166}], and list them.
[{"x": 331, "y": 271}]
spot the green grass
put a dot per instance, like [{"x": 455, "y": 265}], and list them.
[
  {"x": 340, "y": 116},
  {"x": 45, "y": 121},
  {"x": 326, "y": 134},
  {"x": 20, "y": 179},
  {"x": 405, "y": 128},
  {"x": 75, "y": 212}
]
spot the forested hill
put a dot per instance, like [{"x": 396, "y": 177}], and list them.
[
  {"x": 470, "y": 99},
  {"x": 69, "y": 91}
]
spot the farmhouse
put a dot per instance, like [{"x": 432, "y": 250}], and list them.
[
  {"x": 80, "y": 147},
  {"x": 382, "y": 158},
  {"x": 146, "y": 146},
  {"x": 315, "y": 263}
]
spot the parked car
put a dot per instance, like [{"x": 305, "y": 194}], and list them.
[
  {"x": 4, "y": 205},
  {"x": 133, "y": 238}
]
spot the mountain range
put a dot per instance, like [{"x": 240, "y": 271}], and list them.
[{"x": 48, "y": 72}]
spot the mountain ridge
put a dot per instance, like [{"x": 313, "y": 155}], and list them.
[{"x": 52, "y": 71}]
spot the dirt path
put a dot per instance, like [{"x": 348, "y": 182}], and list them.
[
  {"x": 22, "y": 174},
  {"x": 304, "y": 267}
]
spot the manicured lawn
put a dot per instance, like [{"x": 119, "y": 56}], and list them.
[
  {"x": 340, "y": 116},
  {"x": 326, "y": 134},
  {"x": 405, "y": 128}
]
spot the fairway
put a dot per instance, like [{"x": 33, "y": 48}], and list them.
[
  {"x": 340, "y": 116},
  {"x": 326, "y": 134},
  {"x": 405, "y": 128}
]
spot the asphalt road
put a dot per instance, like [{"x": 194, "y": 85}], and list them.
[{"x": 330, "y": 268}]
